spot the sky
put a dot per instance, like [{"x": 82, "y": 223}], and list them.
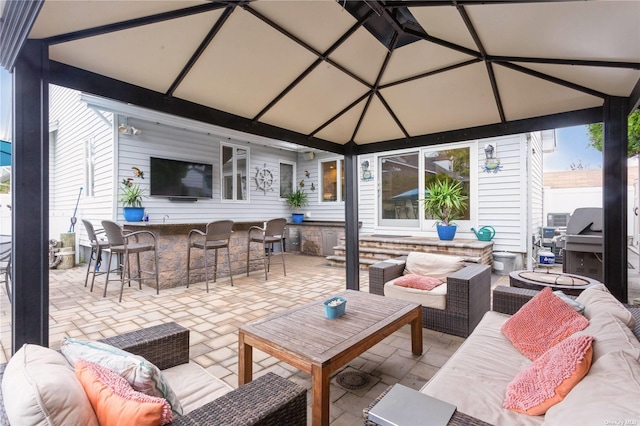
[
  {"x": 5, "y": 104},
  {"x": 572, "y": 144}
]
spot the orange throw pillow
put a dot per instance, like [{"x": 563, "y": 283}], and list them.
[
  {"x": 550, "y": 378},
  {"x": 541, "y": 323},
  {"x": 116, "y": 402},
  {"x": 421, "y": 282}
]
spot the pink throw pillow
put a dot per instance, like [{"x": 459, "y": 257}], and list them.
[
  {"x": 541, "y": 323},
  {"x": 550, "y": 378},
  {"x": 420, "y": 282},
  {"x": 115, "y": 402}
]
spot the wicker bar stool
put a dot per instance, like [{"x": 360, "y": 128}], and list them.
[
  {"x": 273, "y": 232},
  {"x": 98, "y": 245},
  {"x": 216, "y": 236},
  {"x": 125, "y": 244}
]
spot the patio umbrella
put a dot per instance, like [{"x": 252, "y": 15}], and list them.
[{"x": 411, "y": 194}]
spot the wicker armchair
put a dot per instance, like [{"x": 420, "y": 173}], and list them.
[
  {"x": 268, "y": 400},
  {"x": 468, "y": 296}
]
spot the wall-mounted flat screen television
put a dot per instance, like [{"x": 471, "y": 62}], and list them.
[{"x": 175, "y": 178}]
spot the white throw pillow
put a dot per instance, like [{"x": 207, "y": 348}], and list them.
[
  {"x": 39, "y": 387},
  {"x": 433, "y": 265},
  {"x": 142, "y": 375}
]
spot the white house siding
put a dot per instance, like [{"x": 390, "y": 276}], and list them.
[
  {"x": 75, "y": 123},
  {"x": 165, "y": 141},
  {"x": 367, "y": 191},
  {"x": 502, "y": 196}
]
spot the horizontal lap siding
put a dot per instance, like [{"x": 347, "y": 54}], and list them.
[
  {"x": 75, "y": 124},
  {"x": 501, "y": 200},
  {"x": 179, "y": 144}
]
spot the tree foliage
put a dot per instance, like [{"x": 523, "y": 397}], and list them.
[{"x": 633, "y": 134}]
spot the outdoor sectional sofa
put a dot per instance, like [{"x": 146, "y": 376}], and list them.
[
  {"x": 455, "y": 307},
  {"x": 475, "y": 379},
  {"x": 268, "y": 400}
]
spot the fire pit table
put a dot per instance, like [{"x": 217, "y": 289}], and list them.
[{"x": 570, "y": 284}]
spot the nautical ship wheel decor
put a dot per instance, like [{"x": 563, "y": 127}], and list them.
[{"x": 264, "y": 179}]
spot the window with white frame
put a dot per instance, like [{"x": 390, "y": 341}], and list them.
[
  {"x": 89, "y": 166},
  {"x": 287, "y": 178},
  {"x": 451, "y": 164},
  {"x": 332, "y": 180},
  {"x": 234, "y": 170},
  {"x": 404, "y": 177}
]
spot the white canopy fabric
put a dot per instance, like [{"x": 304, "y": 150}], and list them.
[{"x": 361, "y": 71}]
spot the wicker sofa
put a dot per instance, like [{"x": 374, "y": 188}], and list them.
[
  {"x": 268, "y": 400},
  {"x": 468, "y": 295},
  {"x": 475, "y": 378}
]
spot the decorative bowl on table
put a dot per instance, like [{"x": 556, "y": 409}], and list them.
[{"x": 335, "y": 307}]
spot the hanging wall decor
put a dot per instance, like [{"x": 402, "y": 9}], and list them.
[{"x": 264, "y": 179}]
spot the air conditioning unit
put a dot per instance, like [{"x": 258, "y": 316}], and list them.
[{"x": 558, "y": 219}]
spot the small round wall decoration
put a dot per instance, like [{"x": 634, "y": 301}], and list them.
[{"x": 264, "y": 179}]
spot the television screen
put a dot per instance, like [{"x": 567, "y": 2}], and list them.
[{"x": 175, "y": 178}]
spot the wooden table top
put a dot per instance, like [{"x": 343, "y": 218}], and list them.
[{"x": 304, "y": 331}]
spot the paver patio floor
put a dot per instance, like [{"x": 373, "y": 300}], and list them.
[{"x": 214, "y": 318}]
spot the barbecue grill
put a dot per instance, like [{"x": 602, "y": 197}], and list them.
[{"x": 584, "y": 243}]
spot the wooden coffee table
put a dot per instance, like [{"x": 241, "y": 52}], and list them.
[{"x": 304, "y": 338}]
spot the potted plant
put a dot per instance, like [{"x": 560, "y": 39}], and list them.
[
  {"x": 131, "y": 199},
  {"x": 445, "y": 201},
  {"x": 296, "y": 200}
]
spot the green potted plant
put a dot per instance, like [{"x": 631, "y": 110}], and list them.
[
  {"x": 131, "y": 198},
  {"x": 296, "y": 200},
  {"x": 445, "y": 201}
]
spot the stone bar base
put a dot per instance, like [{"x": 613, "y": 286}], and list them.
[{"x": 172, "y": 239}]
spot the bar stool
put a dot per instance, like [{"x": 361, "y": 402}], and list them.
[
  {"x": 97, "y": 246},
  {"x": 217, "y": 236},
  {"x": 124, "y": 244},
  {"x": 273, "y": 232}
]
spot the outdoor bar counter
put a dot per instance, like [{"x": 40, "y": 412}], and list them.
[{"x": 172, "y": 239}]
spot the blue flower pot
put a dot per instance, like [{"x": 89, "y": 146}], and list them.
[
  {"x": 297, "y": 217},
  {"x": 133, "y": 214},
  {"x": 446, "y": 232}
]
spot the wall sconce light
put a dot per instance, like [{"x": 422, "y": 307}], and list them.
[
  {"x": 125, "y": 129},
  {"x": 489, "y": 151},
  {"x": 491, "y": 162}
]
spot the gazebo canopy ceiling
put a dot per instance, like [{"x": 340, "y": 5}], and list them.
[{"x": 331, "y": 72}]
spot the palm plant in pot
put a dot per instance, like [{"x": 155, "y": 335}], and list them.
[
  {"x": 445, "y": 201},
  {"x": 296, "y": 200},
  {"x": 131, "y": 198}
]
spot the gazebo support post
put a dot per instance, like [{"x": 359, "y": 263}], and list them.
[{"x": 614, "y": 196}]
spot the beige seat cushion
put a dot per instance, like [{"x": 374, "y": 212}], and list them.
[
  {"x": 433, "y": 265},
  {"x": 39, "y": 387},
  {"x": 194, "y": 386},
  {"x": 610, "y": 335},
  {"x": 616, "y": 375},
  {"x": 475, "y": 378},
  {"x": 436, "y": 298},
  {"x": 597, "y": 299}
]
